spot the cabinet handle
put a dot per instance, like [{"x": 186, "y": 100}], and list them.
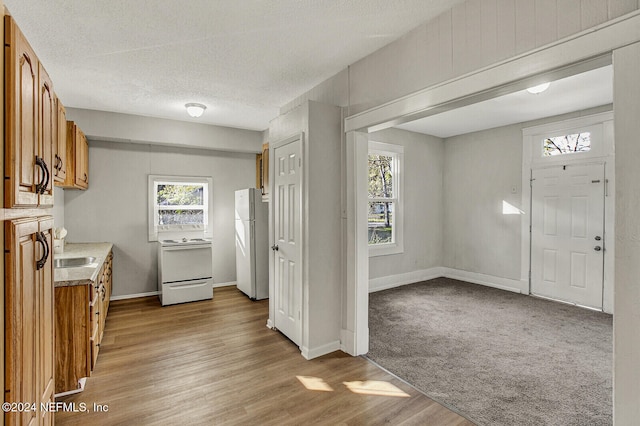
[
  {"x": 40, "y": 237},
  {"x": 41, "y": 187},
  {"x": 85, "y": 178}
]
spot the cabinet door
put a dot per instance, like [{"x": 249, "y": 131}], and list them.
[
  {"x": 60, "y": 162},
  {"x": 24, "y": 169},
  {"x": 46, "y": 319},
  {"x": 28, "y": 317},
  {"x": 82, "y": 160},
  {"x": 47, "y": 134}
]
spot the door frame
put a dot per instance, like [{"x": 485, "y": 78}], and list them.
[
  {"x": 600, "y": 154},
  {"x": 578, "y": 53},
  {"x": 272, "y": 239}
]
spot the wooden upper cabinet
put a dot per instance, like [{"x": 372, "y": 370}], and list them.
[
  {"x": 26, "y": 165},
  {"x": 77, "y": 149},
  {"x": 82, "y": 160},
  {"x": 48, "y": 133},
  {"x": 60, "y": 154}
]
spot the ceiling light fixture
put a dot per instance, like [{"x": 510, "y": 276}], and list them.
[
  {"x": 195, "y": 110},
  {"x": 538, "y": 89}
]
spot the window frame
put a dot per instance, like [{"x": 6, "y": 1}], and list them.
[
  {"x": 397, "y": 153},
  {"x": 170, "y": 231},
  {"x": 538, "y": 134}
]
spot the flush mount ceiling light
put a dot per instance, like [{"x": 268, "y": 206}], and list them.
[
  {"x": 538, "y": 89},
  {"x": 195, "y": 110}
]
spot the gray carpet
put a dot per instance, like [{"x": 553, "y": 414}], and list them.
[{"x": 497, "y": 357}]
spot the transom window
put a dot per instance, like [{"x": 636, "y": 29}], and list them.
[
  {"x": 178, "y": 203},
  {"x": 385, "y": 209},
  {"x": 567, "y": 144}
]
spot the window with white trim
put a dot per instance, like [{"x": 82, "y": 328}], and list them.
[
  {"x": 178, "y": 204},
  {"x": 566, "y": 144},
  {"x": 385, "y": 199}
]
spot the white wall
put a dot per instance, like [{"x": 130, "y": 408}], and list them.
[
  {"x": 469, "y": 37},
  {"x": 479, "y": 172},
  {"x": 626, "y": 321},
  {"x": 322, "y": 223},
  {"x": 423, "y": 209},
  {"x": 114, "y": 208},
  {"x": 58, "y": 207},
  {"x": 111, "y": 126}
]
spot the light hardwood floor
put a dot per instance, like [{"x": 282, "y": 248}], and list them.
[{"x": 215, "y": 362}]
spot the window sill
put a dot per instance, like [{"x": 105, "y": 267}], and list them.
[{"x": 385, "y": 249}]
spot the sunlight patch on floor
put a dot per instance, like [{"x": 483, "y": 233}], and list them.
[
  {"x": 375, "y": 387},
  {"x": 315, "y": 383}
]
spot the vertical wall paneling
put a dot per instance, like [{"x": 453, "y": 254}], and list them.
[
  {"x": 459, "y": 39},
  {"x": 405, "y": 52},
  {"x": 445, "y": 68},
  {"x": 621, "y": 7},
  {"x": 546, "y": 22},
  {"x": 525, "y": 25},
  {"x": 568, "y": 17},
  {"x": 473, "y": 12},
  {"x": 594, "y": 12},
  {"x": 432, "y": 52},
  {"x": 489, "y": 28},
  {"x": 506, "y": 31}
]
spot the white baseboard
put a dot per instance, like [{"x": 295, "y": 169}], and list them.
[
  {"x": 487, "y": 280},
  {"x": 398, "y": 280},
  {"x": 230, "y": 283},
  {"x": 320, "y": 350},
  {"x": 391, "y": 281},
  {"x": 134, "y": 296},
  {"x": 348, "y": 342}
]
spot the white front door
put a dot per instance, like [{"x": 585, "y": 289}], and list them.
[
  {"x": 287, "y": 205},
  {"x": 567, "y": 250}
]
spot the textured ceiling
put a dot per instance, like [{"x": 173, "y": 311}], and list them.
[{"x": 242, "y": 58}]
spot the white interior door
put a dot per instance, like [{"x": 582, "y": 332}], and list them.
[
  {"x": 567, "y": 251},
  {"x": 287, "y": 199}
]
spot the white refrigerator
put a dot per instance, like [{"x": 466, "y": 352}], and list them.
[{"x": 252, "y": 244}]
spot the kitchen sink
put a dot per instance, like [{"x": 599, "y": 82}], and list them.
[{"x": 73, "y": 262}]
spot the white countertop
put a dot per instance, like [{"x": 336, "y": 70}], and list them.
[{"x": 81, "y": 275}]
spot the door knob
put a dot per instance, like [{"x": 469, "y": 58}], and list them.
[
  {"x": 597, "y": 248},
  {"x": 598, "y": 238},
  {"x": 275, "y": 247}
]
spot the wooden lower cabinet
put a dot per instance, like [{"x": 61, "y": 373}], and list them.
[
  {"x": 81, "y": 312},
  {"x": 73, "y": 354},
  {"x": 29, "y": 316}
]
